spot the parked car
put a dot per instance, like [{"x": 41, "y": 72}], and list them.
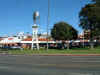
[
  {"x": 57, "y": 46},
  {"x": 5, "y": 47},
  {"x": 16, "y": 47}
]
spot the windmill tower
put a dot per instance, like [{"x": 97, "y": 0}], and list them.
[{"x": 35, "y": 42}]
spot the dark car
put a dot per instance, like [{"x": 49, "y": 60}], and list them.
[{"x": 6, "y": 47}]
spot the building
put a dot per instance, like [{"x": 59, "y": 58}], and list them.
[{"x": 24, "y": 41}]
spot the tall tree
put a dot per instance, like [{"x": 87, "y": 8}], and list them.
[
  {"x": 63, "y": 31},
  {"x": 96, "y": 1},
  {"x": 90, "y": 19}
]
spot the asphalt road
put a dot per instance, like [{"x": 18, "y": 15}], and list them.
[{"x": 49, "y": 65}]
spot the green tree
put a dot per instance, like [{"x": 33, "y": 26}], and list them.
[
  {"x": 90, "y": 19},
  {"x": 96, "y": 1},
  {"x": 63, "y": 31}
]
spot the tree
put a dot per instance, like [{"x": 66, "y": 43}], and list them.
[
  {"x": 90, "y": 19},
  {"x": 96, "y": 1},
  {"x": 63, "y": 31}
]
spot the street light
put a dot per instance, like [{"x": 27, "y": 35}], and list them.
[
  {"x": 48, "y": 21},
  {"x": 83, "y": 37}
]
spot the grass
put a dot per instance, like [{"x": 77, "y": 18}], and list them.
[{"x": 55, "y": 51}]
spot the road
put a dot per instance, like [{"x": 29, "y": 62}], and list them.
[{"x": 49, "y": 65}]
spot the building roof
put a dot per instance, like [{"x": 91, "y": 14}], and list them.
[
  {"x": 1, "y": 39},
  {"x": 10, "y": 40},
  {"x": 40, "y": 39}
]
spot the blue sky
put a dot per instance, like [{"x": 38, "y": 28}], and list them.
[{"x": 16, "y": 15}]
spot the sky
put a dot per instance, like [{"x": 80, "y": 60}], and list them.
[{"x": 16, "y": 15}]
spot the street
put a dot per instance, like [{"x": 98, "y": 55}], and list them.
[{"x": 49, "y": 65}]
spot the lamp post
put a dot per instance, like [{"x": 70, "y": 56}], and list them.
[
  {"x": 48, "y": 21},
  {"x": 35, "y": 30},
  {"x": 83, "y": 37}
]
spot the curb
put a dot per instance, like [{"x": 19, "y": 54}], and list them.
[{"x": 5, "y": 54}]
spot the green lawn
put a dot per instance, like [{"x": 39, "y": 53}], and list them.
[{"x": 55, "y": 51}]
